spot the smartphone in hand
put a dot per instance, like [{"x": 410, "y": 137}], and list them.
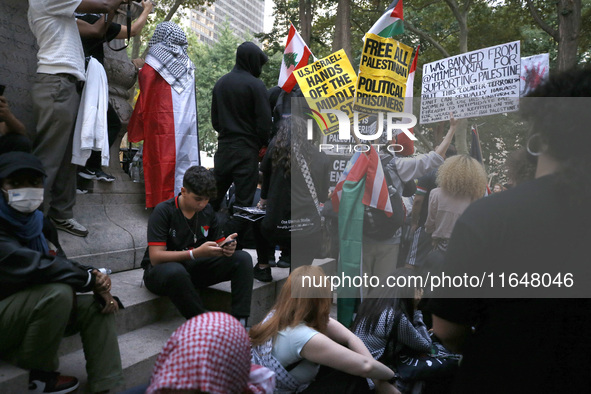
[
  {"x": 226, "y": 242},
  {"x": 2, "y": 87}
]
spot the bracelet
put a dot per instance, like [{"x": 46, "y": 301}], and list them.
[{"x": 191, "y": 254}]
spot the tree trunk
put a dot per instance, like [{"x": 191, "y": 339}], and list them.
[
  {"x": 306, "y": 20},
  {"x": 342, "y": 31},
  {"x": 569, "y": 26}
]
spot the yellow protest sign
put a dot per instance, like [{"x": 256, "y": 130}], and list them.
[
  {"x": 328, "y": 83},
  {"x": 383, "y": 72}
]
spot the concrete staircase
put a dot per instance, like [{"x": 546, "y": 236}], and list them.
[{"x": 117, "y": 223}]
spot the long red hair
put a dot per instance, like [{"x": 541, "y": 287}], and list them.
[{"x": 304, "y": 298}]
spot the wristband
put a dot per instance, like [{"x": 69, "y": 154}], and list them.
[{"x": 191, "y": 256}]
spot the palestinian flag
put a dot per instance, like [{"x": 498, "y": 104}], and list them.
[
  {"x": 391, "y": 23},
  {"x": 167, "y": 123},
  {"x": 362, "y": 183},
  {"x": 295, "y": 56}
]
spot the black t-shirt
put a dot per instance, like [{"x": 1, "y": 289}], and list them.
[
  {"x": 425, "y": 184},
  {"x": 522, "y": 345},
  {"x": 94, "y": 46},
  {"x": 168, "y": 227}
]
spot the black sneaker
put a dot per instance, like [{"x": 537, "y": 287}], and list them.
[
  {"x": 103, "y": 176},
  {"x": 88, "y": 173},
  {"x": 70, "y": 226},
  {"x": 262, "y": 274},
  {"x": 284, "y": 261},
  {"x": 51, "y": 382}
]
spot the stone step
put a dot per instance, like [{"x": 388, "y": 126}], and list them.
[{"x": 146, "y": 323}]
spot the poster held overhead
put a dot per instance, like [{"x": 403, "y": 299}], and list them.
[{"x": 477, "y": 83}]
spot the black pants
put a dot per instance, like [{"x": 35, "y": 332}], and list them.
[
  {"x": 113, "y": 127},
  {"x": 180, "y": 281},
  {"x": 240, "y": 166},
  {"x": 329, "y": 380},
  {"x": 303, "y": 249}
]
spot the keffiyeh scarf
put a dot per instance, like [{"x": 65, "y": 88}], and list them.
[
  {"x": 168, "y": 56},
  {"x": 209, "y": 353}
]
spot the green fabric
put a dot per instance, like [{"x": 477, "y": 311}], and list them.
[
  {"x": 351, "y": 239},
  {"x": 33, "y": 322},
  {"x": 393, "y": 29}
]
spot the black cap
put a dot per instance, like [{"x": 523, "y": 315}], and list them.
[{"x": 13, "y": 161}]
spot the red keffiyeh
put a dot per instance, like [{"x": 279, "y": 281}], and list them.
[{"x": 209, "y": 353}]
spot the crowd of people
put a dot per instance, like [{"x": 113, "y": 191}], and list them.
[{"x": 194, "y": 241}]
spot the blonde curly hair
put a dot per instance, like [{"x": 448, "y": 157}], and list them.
[{"x": 462, "y": 175}]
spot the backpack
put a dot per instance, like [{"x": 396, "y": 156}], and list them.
[{"x": 376, "y": 224}]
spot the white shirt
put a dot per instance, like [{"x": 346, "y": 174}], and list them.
[
  {"x": 54, "y": 26},
  {"x": 287, "y": 348}
]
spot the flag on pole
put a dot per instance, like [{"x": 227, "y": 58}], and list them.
[
  {"x": 362, "y": 183},
  {"x": 295, "y": 56},
  {"x": 368, "y": 166},
  {"x": 391, "y": 22},
  {"x": 408, "y": 145}
]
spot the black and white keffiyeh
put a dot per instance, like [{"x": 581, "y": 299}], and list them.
[{"x": 168, "y": 56}]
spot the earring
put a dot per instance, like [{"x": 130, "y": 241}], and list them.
[{"x": 529, "y": 143}]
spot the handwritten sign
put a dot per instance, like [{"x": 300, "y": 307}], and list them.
[{"x": 477, "y": 83}]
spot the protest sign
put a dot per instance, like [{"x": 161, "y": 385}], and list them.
[
  {"x": 534, "y": 70},
  {"x": 328, "y": 83},
  {"x": 477, "y": 83},
  {"x": 383, "y": 72}
]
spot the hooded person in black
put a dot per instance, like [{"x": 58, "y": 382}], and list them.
[{"x": 241, "y": 115}]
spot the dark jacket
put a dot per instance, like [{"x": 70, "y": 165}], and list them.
[
  {"x": 291, "y": 211},
  {"x": 22, "y": 267},
  {"x": 240, "y": 110}
]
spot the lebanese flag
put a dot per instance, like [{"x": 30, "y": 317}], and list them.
[
  {"x": 295, "y": 56},
  {"x": 391, "y": 22},
  {"x": 408, "y": 145},
  {"x": 369, "y": 167},
  {"x": 167, "y": 123}
]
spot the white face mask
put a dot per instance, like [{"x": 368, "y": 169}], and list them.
[{"x": 26, "y": 199}]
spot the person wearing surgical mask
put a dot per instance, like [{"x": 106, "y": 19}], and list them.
[{"x": 37, "y": 291}]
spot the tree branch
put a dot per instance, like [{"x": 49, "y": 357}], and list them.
[
  {"x": 426, "y": 37},
  {"x": 455, "y": 9},
  {"x": 546, "y": 27},
  {"x": 422, "y": 139}
]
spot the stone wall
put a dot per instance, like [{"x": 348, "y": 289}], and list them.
[{"x": 18, "y": 59}]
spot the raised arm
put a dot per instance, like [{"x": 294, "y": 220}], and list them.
[
  {"x": 442, "y": 148},
  {"x": 99, "y": 6},
  {"x": 8, "y": 122},
  {"x": 139, "y": 23}
]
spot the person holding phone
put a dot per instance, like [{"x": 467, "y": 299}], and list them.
[
  {"x": 187, "y": 251},
  {"x": 13, "y": 135}
]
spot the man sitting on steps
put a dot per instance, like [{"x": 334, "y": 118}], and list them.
[
  {"x": 38, "y": 305},
  {"x": 187, "y": 251}
]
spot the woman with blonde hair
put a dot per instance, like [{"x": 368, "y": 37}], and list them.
[
  {"x": 298, "y": 336},
  {"x": 461, "y": 180}
]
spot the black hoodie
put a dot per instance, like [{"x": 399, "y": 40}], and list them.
[{"x": 240, "y": 110}]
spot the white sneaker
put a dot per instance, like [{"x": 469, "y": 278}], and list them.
[{"x": 70, "y": 226}]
